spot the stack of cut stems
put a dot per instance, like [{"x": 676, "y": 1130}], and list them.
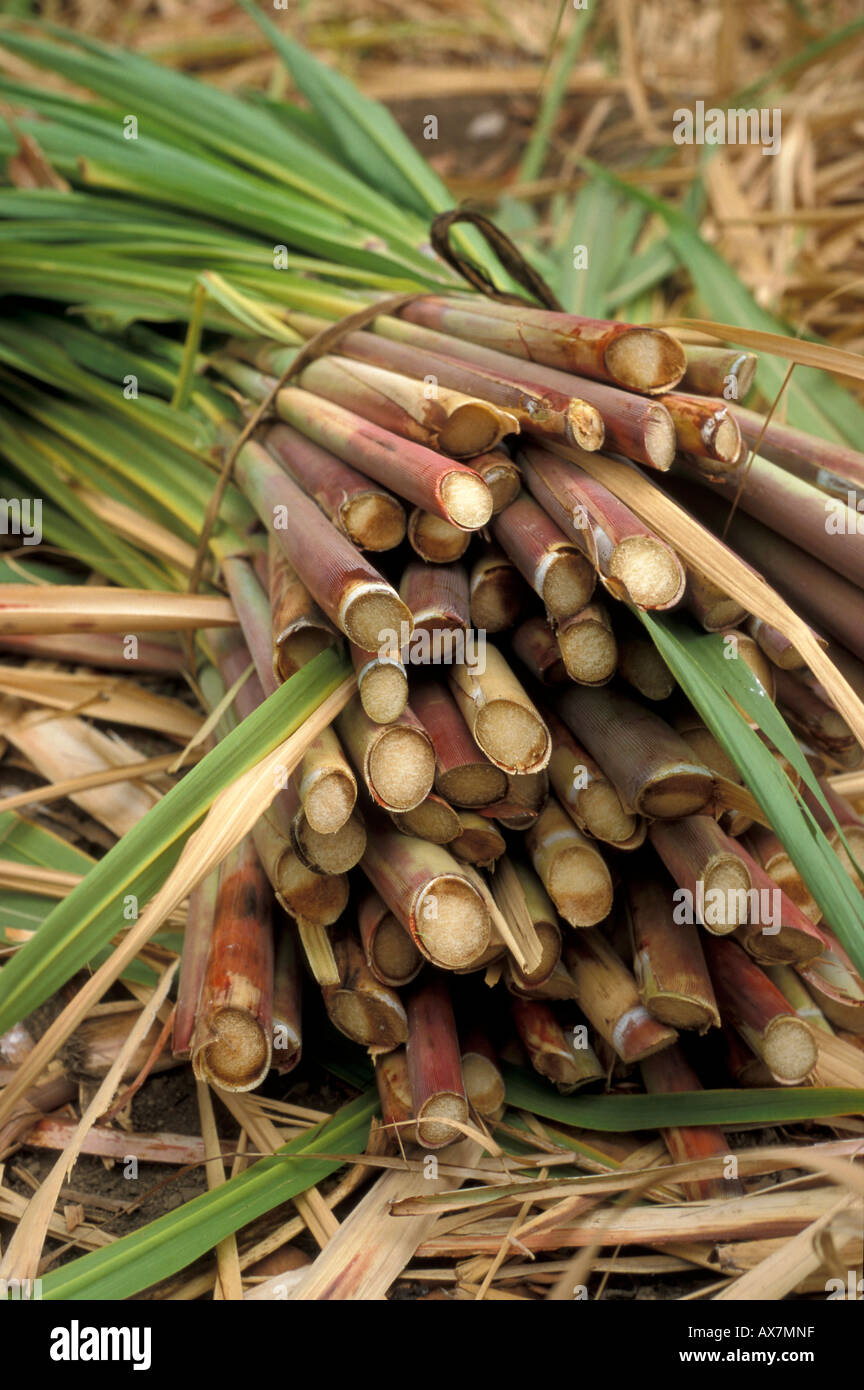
[{"x": 490, "y": 849}]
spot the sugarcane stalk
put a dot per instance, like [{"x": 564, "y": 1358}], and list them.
[
  {"x": 781, "y": 934},
  {"x": 394, "y": 1093},
  {"x": 299, "y": 630},
  {"x": 636, "y": 426},
  {"x": 350, "y": 591},
  {"x": 316, "y": 900},
  {"x": 464, "y": 775},
  {"x": 759, "y": 1013},
  {"x": 438, "y": 597},
  {"x": 556, "y": 569},
  {"x": 451, "y": 421},
  {"x": 497, "y": 592},
  {"x": 196, "y": 946},
  {"x": 821, "y": 461},
  {"x": 360, "y": 1006},
  {"x": 552, "y": 1051},
  {"x": 501, "y": 475},
  {"x": 430, "y": 894},
  {"x": 587, "y": 795},
  {"x": 587, "y": 645},
  {"x": 607, "y": 994},
  {"x": 287, "y": 1034},
  {"x": 714, "y": 881},
  {"x": 434, "y": 819},
  {"x": 547, "y": 413},
  {"x": 108, "y": 650},
  {"x": 836, "y": 986},
  {"x": 411, "y": 471},
  {"x": 535, "y": 645},
  {"x": 795, "y": 992},
  {"x": 458, "y": 421},
  {"x": 706, "y": 430},
  {"x": 633, "y": 563},
  {"x": 527, "y": 794},
  {"x": 639, "y": 359},
  {"x": 435, "y": 540},
  {"x": 327, "y": 786},
  {"x": 571, "y": 869},
  {"x": 371, "y": 518},
  {"x": 822, "y": 597},
  {"x": 382, "y": 683},
  {"x": 503, "y": 721},
  {"x": 435, "y": 1064},
  {"x": 545, "y": 922},
  {"x": 813, "y": 718},
  {"x": 481, "y": 1074},
  {"x": 391, "y": 955},
  {"x": 668, "y": 961},
  {"x": 823, "y": 526},
  {"x": 850, "y": 824},
  {"x": 396, "y": 761},
  {"x": 641, "y": 665},
  {"x": 650, "y": 766},
  {"x": 479, "y": 841},
  {"x": 710, "y": 605},
  {"x": 667, "y": 1073},
  {"x": 231, "y": 1046},
  {"x": 706, "y": 749},
  {"x": 775, "y": 859},
  {"x": 718, "y": 371},
  {"x": 333, "y": 851},
  {"x": 776, "y": 646}
]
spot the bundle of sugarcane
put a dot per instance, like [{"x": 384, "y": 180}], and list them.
[{"x": 564, "y": 759}]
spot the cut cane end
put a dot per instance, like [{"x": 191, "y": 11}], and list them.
[
  {"x": 682, "y": 794},
  {"x": 452, "y": 922},
  {"x": 384, "y": 692},
  {"x": 568, "y": 584},
  {"x": 467, "y": 499},
  {"x": 789, "y": 1050},
  {"x": 646, "y": 359},
  {"x": 475, "y": 784},
  {"x": 366, "y": 1020},
  {"x": 295, "y": 649},
  {"x": 239, "y": 1056},
  {"x": 484, "y": 1085},
  {"x": 396, "y": 959},
  {"x": 333, "y": 853},
  {"x": 374, "y": 521},
  {"x": 513, "y": 737},
  {"x": 589, "y": 651},
  {"x": 601, "y": 810},
  {"x": 329, "y": 801},
  {"x": 585, "y": 425},
  {"x": 472, "y": 428},
  {"x": 369, "y": 611},
  {"x": 432, "y": 820},
  {"x": 649, "y": 570},
  {"x": 580, "y": 886},
  {"x": 432, "y": 1128},
  {"x": 402, "y": 768}
]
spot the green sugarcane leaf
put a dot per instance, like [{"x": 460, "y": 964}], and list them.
[
  {"x": 697, "y": 662},
  {"x": 140, "y": 862},
  {"x": 626, "y": 1114},
  {"x": 174, "y": 1240},
  {"x": 191, "y": 114}
]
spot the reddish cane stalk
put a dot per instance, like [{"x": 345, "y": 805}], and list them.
[
  {"x": 435, "y": 1064},
  {"x": 232, "y": 1043}
]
